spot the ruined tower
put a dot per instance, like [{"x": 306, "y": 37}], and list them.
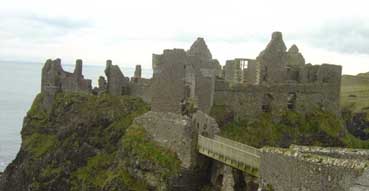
[
  {"x": 272, "y": 61},
  {"x": 138, "y": 72},
  {"x": 168, "y": 83},
  {"x": 117, "y": 84},
  {"x": 54, "y": 79},
  {"x": 184, "y": 76}
]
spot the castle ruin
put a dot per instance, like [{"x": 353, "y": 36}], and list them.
[{"x": 275, "y": 81}]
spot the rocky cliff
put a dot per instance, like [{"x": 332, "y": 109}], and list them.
[{"x": 87, "y": 142}]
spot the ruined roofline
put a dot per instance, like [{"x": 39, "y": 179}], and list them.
[{"x": 56, "y": 64}]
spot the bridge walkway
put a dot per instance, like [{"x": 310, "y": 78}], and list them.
[{"x": 232, "y": 153}]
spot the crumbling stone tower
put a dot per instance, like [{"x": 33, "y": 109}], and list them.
[
  {"x": 117, "y": 83},
  {"x": 272, "y": 61},
  {"x": 138, "y": 72},
  {"x": 181, "y": 76},
  {"x": 54, "y": 79}
]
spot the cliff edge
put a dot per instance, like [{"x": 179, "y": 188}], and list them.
[{"x": 87, "y": 142}]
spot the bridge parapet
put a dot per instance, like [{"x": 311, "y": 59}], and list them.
[
  {"x": 223, "y": 150},
  {"x": 239, "y": 145}
]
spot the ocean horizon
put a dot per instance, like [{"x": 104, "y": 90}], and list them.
[{"x": 21, "y": 83}]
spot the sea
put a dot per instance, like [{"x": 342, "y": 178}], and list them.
[{"x": 20, "y": 83}]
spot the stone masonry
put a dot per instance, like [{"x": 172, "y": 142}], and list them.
[
  {"x": 54, "y": 79},
  {"x": 180, "y": 77},
  {"x": 276, "y": 81},
  {"x": 315, "y": 169},
  {"x": 117, "y": 84}
]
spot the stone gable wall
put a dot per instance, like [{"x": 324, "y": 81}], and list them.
[{"x": 168, "y": 83}]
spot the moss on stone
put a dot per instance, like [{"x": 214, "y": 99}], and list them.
[
  {"x": 50, "y": 171},
  {"x": 73, "y": 145},
  {"x": 139, "y": 144},
  {"x": 99, "y": 174},
  {"x": 222, "y": 114},
  {"x": 39, "y": 144}
]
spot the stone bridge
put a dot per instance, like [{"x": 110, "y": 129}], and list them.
[
  {"x": 294, "y": 168},
  {"x": 232, "y": 153}
]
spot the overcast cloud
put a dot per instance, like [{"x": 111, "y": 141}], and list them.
[{"x": 130, "y": 31}]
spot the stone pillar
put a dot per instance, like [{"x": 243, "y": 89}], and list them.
[
  {"x": 138, "y": 72},
  {"x": 102, "y": 83},
  {"x": 109, "y": 62},
  {"x": 78, "y": 68}
]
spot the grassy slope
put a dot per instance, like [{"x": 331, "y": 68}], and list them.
[
  {"x": 318, "y": 128},
  {"x": 355, "y": 92}
]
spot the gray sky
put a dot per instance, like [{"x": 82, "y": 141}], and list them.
[{"x": 128, "y": 32}]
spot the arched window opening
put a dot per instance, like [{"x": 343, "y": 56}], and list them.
[
  {"x": 267, "y": 103},
  {"x": 292, "y": 100}
]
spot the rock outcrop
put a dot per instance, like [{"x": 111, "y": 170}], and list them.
[{"x": 88, "y": 142}]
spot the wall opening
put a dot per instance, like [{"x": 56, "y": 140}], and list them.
[
  {"x": 219, "y": 180},
  {"x": 264, "y": 74},
  {"x": 291, "y": 100},
  {"x": 267, "y": 103},
  {"x": 187, "y": 91}
]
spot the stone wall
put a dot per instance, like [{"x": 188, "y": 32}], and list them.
[
  {"x": 278, "y": 80},
  {"x": 181, "y": 77},
  {"x": 54, "y": 79},
  {"x": 140, "y": 87},
  {"x": 248, "y": 101},
  {"x": 204, "y": 124},
  {"x": 303, "y": 169},
  {"x": 204, "y": 73},
  {"x": 178, "y": 133},
  {"x": 117, "y": 83},
  {"x": 272, "y": 61},
  {"x": 168, "y": 83},
  {"x": 171, "y": 131}
]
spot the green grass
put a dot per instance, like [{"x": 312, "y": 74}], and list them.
[
  {"x": 137, "y": 142},
  {"x": 49, "y": 171},
  {"x": 39, "y": 144},
  {"x": 355, "y": 93},
  {"x": 222, "y": 114},
  {"x": 318, "y": 128},
  {"x": 99, "y": 172},
  {"x": 96, "y": 121}
]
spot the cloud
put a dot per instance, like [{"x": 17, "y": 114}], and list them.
[
  {"x": 130, "y": 31},
  {"x": 59, "y": 22},
  {"x": 37, "y": 28},
  {"x": 348, "y": 36}
]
